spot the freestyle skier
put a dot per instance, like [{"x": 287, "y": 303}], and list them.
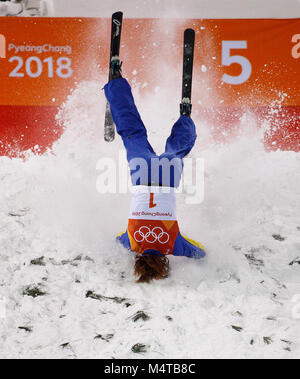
[{"x": 153, "y": 231}]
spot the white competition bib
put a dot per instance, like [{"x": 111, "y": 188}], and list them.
[{"x": 153, "y": 203}]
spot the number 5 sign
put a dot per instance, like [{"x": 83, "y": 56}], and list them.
[{"x": 228, "y": 60}]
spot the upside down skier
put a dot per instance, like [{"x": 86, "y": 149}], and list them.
[{"x": 152, "y": 231}]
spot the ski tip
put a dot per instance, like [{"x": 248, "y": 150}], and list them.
[
  {"x": 117, "y": 14},
  {"x": 189, "y": 31}
]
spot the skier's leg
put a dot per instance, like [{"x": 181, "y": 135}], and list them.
[
  {"x": 179, "y": 144},
  {"x": 182, "y": 138},
  {"x": 129, "y": 125}
]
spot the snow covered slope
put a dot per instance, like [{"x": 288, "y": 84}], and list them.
[
  {"x": 67, "y": 289},
  {"x": 236, "y": 303}
]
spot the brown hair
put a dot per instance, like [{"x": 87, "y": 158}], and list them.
[{"x": 151, "y": 267}]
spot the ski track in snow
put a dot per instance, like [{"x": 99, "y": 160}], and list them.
[{"x": 237, "y": 303}]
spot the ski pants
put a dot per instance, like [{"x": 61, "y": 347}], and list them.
[{"x": 146, "y": 167}]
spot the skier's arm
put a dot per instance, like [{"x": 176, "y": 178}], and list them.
[
  {"x": 124, "y": 239},
  {"x": 188, "y": 248}
]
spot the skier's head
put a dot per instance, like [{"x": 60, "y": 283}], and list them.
[{"x": 148, "y": 267}]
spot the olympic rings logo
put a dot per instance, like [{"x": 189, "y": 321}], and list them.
[{"x": 151, "y": 236}]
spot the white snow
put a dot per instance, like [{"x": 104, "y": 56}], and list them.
[
  {"x": 27, "y": 8},
  {"x": 49, "y": 207},
  {"x": 7, "y": 8}
]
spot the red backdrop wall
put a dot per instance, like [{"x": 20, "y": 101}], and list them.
[{"x": 240, "y": 65}]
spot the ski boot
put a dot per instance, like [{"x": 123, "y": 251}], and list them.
[
  {"x": 185, "y": 107},
  {"x": 115, "y": 68}
]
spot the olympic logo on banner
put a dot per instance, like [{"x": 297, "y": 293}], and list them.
[{"x": 151, "y": 236}]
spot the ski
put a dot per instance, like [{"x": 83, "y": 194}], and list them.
[
  {"x": 116, "y": 30},
  {"x": 187, "y": 76}
]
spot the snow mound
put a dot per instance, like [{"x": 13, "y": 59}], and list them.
[{"x": 67, "y": 289}]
